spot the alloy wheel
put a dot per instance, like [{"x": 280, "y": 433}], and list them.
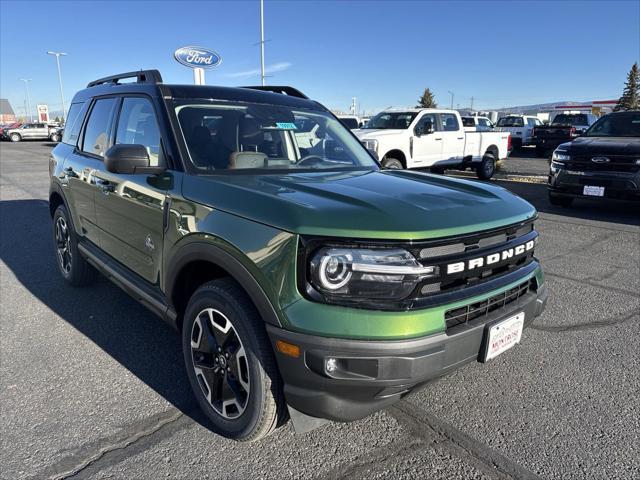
[
  {"x": 220, "y": 363},
  {"x": 63, "y": 244}
]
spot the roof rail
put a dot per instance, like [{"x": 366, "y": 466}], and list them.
[
  {"x": 142, "y": 76},
  {"x": 292, "y": 92}
]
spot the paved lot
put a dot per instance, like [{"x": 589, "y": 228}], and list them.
[{"x": 92, "y": 385}]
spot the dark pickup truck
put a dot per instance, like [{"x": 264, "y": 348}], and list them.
[
  {"x": 603, "y": 162},
  {"x": 564, "y": 128}
]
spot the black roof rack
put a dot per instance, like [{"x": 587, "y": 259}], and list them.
[
  {"x": 292, "y": 92},
  {"x": 142, "y": 76}
]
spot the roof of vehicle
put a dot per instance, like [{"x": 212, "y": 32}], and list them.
[
  {"x": 150, "y": 82},
  {"x": 418, "y": 110}
]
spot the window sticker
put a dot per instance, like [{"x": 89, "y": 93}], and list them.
[{"x": 286, "y": 125}]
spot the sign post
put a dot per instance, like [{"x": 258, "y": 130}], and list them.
[{"x": 197, "y": 58}]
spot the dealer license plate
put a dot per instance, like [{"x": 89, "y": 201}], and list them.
[
  {"x": 593, "y": 191},
  {"x": 504, "y": 335}
]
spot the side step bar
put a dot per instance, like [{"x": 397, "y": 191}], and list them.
[{"x": 126, "y": 280}]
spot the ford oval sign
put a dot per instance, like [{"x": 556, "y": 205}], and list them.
[{"x": 197, "y": 57}]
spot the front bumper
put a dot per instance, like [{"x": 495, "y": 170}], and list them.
[
  {"x": 372, "y": 374},
  {"x": 617, "y": 185}
]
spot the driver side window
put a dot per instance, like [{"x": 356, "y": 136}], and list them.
[{"x": 424, "y": 121}]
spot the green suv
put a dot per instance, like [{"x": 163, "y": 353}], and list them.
[{"x": 306, "y": 280}]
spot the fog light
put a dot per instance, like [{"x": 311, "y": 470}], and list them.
[{"x": 331, "y": 365}]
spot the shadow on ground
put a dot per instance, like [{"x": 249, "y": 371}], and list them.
[{"x": 125, "y": 330}]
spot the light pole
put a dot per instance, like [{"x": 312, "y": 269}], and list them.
[
  {"x": 58, "y": 54},
  {"x": 451, "y": 93},
  {"x": 262, "y": 41},
  {"x": 26, "y": 89}
]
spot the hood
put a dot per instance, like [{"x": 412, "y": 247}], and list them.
[
  {"x": 374, "y": 133},
  {"x": 603, "y": 146},
  {"x": 369, "y": 205}
]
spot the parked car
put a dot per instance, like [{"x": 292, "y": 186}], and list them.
[
  {"x": 602, "y": 163},
  {"x": 32, "y": 131},
  {"x": 305, "y": 280},
  {"x": 521, "y": 128},
  {"x": 352, "y": 122},
  {"x": 477, "y": 124},
  {"x": 564, "y": 128},
  {"x": 420, "y": 138}
]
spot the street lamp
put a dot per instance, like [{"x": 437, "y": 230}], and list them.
[
  {"x": 58, "y": 54},
  {"x": 26, "y": 89},
  {"x": 451, "y": 93}
]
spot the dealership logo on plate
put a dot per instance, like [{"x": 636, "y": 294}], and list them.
[{"x": 197, "y": 57}]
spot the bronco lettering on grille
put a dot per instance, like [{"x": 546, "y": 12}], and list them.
[{"x": 490, "y": 259}]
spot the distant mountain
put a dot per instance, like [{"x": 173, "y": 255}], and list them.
[{"x": 538, "y": 107}]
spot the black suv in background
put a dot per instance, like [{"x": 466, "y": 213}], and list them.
[
  {"x": 564, "y": 128},
  {"x": 603, "y": 162}
]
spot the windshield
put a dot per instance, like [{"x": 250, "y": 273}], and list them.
[
  {"x": 225, "y": 136},
  {"x": 616, "y": 125},
  {"x": 392, "y": 120},
  {"x": 572, "y": 120},
  {"x": 511, "y": 122}
]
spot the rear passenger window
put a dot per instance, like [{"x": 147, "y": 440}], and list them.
[
  {"x": 72, "y": 127},
  {"x": 137, "y": 125},
  {"x": 96, "y": 134},
  {"x": 449, "y": 122}
]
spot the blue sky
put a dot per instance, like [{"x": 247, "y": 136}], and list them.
[{"x": 382, "y": 52}]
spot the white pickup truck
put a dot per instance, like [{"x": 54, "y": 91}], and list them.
[{"x": 433, "y": 138}]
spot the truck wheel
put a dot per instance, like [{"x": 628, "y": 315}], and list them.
[
  {"x": 559, "y": 200},
  {"x": 541, "y": 152},
  {"x": 230, "y": 363},
  {"x": 15, "y": 137},
  {"x": 72, "y": 266},
  {"x": 390, "y": 162},
  {"x": 437, "y": 170},
  {"x": 487, "y": 167},
  {"x": 55, "y": 137}
]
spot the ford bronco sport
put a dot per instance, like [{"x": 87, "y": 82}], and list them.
[{"x": 306, "y": 280}]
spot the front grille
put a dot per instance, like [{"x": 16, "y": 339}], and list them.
[
  {"x": 464, "y": 315},
  {"x": 616, "y": 163}
]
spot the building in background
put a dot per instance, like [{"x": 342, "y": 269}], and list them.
[{"x": 7, "y": 114}]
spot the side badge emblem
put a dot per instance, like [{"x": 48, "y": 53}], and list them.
[{"x": 148, "y": 242}]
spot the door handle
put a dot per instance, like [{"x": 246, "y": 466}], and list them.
[
  {"x": 460, "y": 138},
  {"x": 106, "y": 186},
  {"x": 438, "y": 138}
]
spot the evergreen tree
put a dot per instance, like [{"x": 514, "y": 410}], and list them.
[
  {"x": 630, "y": 99},
  {"x": 427, "y": 100}
]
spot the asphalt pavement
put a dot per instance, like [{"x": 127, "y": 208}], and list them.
[{"x": 92, "y": 385}]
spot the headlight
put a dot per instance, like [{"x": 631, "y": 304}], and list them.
[
  {"x": 371, "y": 144},
  {"x": 560, "y": 156},
  {"x": 366, "y": 273}
]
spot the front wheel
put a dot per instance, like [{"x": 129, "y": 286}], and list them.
[
  {"x": 390, "y": 162},
  {"x": 487, "y": 167},
  {"x": 72, "y": 266},
  {"x": 230, "y": 363},
  {"x": 15, "y": 137},
  {"x": 55, "y": 137}
]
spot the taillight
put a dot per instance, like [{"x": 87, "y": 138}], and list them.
[
  {"x": 509, "y": 142},
  {"x": 572, "y": 132}
]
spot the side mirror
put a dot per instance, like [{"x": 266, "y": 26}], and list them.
[
  {"x": 129, "y": 159},
  {"x": 418, "y": 131}
]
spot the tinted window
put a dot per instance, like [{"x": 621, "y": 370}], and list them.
[
  {"x": 96, "y": 134},
  {"x": 137, "y": 125},
  {"x": 573, "y": 120},
  {"x": 468, "y": 122},
  {"x": 350, "y": 123},
  {"x": 40, "y": 125},
  {"x": 75, "y": 116},
  {"x": 483, "y": 122},
  {"x": 511, "y": 122},
  {"x": 449, "y": 122},
  {"x": 426, "y": 119}
]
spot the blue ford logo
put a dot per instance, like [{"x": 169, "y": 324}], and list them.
[{"x": 197, "y": 57}]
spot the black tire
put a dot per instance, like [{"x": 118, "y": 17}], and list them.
[
  {"x": 437, "y": 170},
  {"x": 390, "y": 162},
  {"x": 560, "y": 201},
  {"x": 541, "y": 152},
  {"x": 72, "y": 266},
  {"x": 251, "y": 380},
  {"x": 55, "y": 137},
  {"x": 15, "y": 137},
  {"x": 487, "y": 166}
]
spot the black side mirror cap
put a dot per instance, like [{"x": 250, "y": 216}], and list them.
[{"x": 129, "y": 159}]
